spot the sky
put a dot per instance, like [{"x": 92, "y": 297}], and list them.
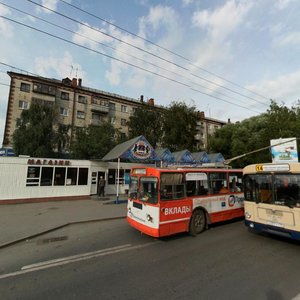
[{"x": 227, "y": 58}]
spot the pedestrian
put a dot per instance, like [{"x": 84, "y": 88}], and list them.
[{"x": 101, "y": 186}]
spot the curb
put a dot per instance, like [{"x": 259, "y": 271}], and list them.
[{"x": 4, "y": 245}]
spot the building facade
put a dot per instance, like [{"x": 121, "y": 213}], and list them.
[
  {"x": 206, "y": 127},
  {"x": 80, "y": 106}
]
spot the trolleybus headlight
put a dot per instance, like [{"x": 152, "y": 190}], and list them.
[
  {"x": 247, "y": 215},
  {"x": 149, "y": 218}
]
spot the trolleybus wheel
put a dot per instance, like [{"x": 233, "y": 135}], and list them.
[{"x": 198, "y": 222}]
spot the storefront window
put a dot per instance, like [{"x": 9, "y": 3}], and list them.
[
  {"x": 47, "y": 176},
  {"x": 33, "y": 176},
  {"x": 72, "y": 176},
  {"x": 111, "y": 176},
  {"x": 60, "y": 174},
  {"x": 83, "y": 176}
]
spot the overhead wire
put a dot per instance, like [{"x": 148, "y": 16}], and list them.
[
  {"x": 113, "y": 48},
  {"x": 121, "y": 61},
  {"x": 159, "y": 46},
  {"x": 141, "y": 49}
]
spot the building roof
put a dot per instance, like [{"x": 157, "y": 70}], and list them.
[
  {"x": 201, "y": 157},
  {"x": 165, "y": 155},
  {"x": 183, "y": 156},
  {"x": 216, "y": 157},
  {"x": 135, "y": 150}
]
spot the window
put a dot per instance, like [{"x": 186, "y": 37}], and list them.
[
  {"x": 148, "y": 189},
  {"x": 33, "y": 176},
  {"x": 63, "y": 111},
  {"x": 23, "y": 104},
  {"x": 113, "y": 120},
  {"x": 82, "y": 99},
  {"x": 196, "y": 184},
  {"x": 64, "y": 96},
  {"x": 47, "y": 176},
  {"x": 80, "y": 114},
  {"x": 133, "y": 187},
  {"x": 59, "y": 177},
  {"x": 56, "y": 176},
  {"x": 72, "y": 176},
  {"x": 25, "y": 87},
  {"x": 287, "y": 190},
  {"x": 235, "y": 182},
  {"x": 123, "y": 108},
  {"x": 123, "y": 122},
  {"x": 44, "y": 89},
  {"x": 172, "y": 186},
  {"x": 83, "y": 176},
  {"x": 97, "y": 116},
  {"x": 111, "y": 176},
  {"x": 42, "y": 101},
  {"x": 218, "y": 182},
  {"x": 112, "y": 106}
]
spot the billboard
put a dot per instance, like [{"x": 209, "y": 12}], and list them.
[
  {"x": 6, "y": 152},
  {"x": 284, "y": 150}
]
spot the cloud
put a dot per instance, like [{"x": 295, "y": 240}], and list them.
[
  {"x": 114, "y": 74},
  {"x": 224, "y": 20},
  {"x": 51, "y": 4},
  {"x": 163, "y": 23},
  {"x": 291, "y": 38},
  {"x": 61, "y": 67},
  {"x": 187, "y": 2},
  {"x": 283, "y": 4},
  {"x": 284, "y": 88},
  {"x": 6, "y": 29},
  {"x": 91, "y": 36}
]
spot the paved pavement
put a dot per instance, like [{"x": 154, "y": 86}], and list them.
[{"x": 21, "y": 221}]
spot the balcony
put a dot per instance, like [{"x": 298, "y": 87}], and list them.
[{"x": 99, "y": 108}]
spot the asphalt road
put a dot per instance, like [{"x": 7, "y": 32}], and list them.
[{"x": 110, "y": 260}]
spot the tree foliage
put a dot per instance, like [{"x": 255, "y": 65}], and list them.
[
  {"x": 146, "y": 122},
  {"x": 255, "y": 133},
  {"x": 93, "y": 142},
  {"x": 179, "y": 127},
  {"x": 35, "y": 135},
  {"x": 174, "y": 127}
]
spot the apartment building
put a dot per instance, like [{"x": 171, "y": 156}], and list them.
[
  {"x": 80, "y": 106},
  {"x": 206, "y": 127}
]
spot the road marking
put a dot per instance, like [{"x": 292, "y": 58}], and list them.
[{"x": 71, "y": 259}]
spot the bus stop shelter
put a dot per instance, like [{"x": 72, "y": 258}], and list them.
[{"x": 136, "y": 150}]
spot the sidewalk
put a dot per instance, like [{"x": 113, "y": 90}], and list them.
[{"x": 21, "y": 221}]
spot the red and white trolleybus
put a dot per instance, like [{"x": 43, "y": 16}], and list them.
[{"x": 163, "y": 202}]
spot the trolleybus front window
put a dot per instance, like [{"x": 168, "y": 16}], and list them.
[
  {"x": 148, "y": 189},
  {"x": 258, "y": 188},
  {"x": 287, "y": 189},
  {"x": 133, "y": 187}
]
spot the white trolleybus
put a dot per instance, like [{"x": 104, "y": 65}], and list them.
[
  {"x": 272, "y": 198},
  {"x": 163, "y": 202}
]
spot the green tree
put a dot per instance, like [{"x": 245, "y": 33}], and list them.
[
  {"x": 62, "y": 140},
  {"x": 255, "y": 133},
  {"x": 146, "y": 122},
  {"x": 179, "y": 127},
  {"x": 93, "y": 142},
  {"x": 35, "y": 135}
]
